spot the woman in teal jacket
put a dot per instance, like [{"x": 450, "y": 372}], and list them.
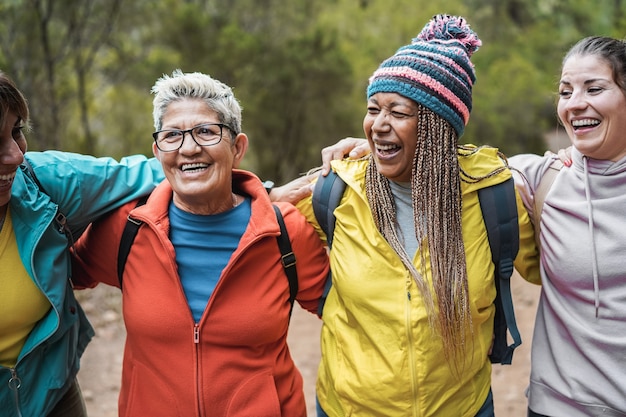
[{"x": 43, "y": 330}]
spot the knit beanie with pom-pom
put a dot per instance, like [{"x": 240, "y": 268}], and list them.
[{"x": 434, "y": 70}]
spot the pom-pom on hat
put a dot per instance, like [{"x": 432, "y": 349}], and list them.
[{"x": 434, "y": 70}]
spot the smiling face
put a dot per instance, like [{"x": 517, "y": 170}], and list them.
[
  {"x": 200, "y": 175},
  {"x": 592, "y": 107},
  {"x": 12, "y": 149},
  {"x": 390, "y": 126}
]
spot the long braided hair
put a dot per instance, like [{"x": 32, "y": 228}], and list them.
[{"x": 437, "y": 205}]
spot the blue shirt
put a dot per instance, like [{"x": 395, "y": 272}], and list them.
[{"x": 203, "y": 246}]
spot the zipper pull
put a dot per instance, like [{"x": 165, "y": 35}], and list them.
[
  {"x": 196, "y": 333},
  {"x": 14, "y": 385},
  {"x": 15, "y": 382}
]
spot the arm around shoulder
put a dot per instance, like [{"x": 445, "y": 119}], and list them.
[
  {"x": 295, "y": 190},
  {"x": 527, "y": 261},
  {"x": 86, "y": 187},
  {"x": 94, "y": 255}
]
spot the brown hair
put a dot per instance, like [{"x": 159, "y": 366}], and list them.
[
  {"x": 611, "y": 50},
  {"x": 12, "y": 100}
]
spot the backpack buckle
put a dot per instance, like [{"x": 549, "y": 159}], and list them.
[{"x": 288, "y": 260}]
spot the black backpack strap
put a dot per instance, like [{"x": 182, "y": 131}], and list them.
[
  {"x": 499, "y": 210},
  {"x": 327, "y": 194},
  {"x": 288, "y": 258},
  {"x": 128, "y": 237}
]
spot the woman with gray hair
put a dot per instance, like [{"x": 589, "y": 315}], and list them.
[{"x": 206, "y": 299}]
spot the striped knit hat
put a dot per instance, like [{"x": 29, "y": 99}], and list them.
[{"x": 434, "y": 70}]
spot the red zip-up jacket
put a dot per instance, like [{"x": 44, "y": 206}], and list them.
[{"x": 235, "y": 362}]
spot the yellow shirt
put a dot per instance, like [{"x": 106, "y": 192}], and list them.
[{"x": 22, "y": 304}]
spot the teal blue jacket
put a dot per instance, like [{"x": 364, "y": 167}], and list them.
[{"x": 81, "y": 188}]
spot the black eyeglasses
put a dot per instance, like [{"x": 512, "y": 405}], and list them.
[{"x": 206, "y": 134}]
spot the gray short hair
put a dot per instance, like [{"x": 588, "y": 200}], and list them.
[{"x": 217, "y": 95}]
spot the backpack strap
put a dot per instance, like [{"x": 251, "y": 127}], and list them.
[
  {"x": 288, "y": 258},
  {"x": 59, "y": 218},
  {"x": 499, "y": 208},
  {"x": 327, "y": 194},
  {"x": 540, "y": 195},
  {"x": 126, "y": 241}
]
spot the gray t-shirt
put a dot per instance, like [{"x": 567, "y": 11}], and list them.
[{"x": 404, "y": 216}]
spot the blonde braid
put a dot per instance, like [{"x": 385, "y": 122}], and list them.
[
  {"x": 465, "y": 151},
  {"x": 437, "y": 200},
  {"x": 436, "y": 194},
  {"x": 380, "y": 198}
]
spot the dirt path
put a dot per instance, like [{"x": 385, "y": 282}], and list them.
[{"x": 100, "y": 373}]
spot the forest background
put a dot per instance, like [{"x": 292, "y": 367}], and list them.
[{"x": 299, "y": 67}]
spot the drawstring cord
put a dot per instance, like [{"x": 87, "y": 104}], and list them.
[{"x": 594, "y": 255}]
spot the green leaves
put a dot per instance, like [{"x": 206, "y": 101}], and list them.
[{"x": 299, "y": 67}]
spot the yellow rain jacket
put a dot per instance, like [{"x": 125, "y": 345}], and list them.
[{"x": 379, "y": 354}]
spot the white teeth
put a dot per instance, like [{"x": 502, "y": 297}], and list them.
[
  {"x": 585, "y": 122},
  {"x": 385, "y": 147},
  {"x": 7, "y": 177},
  {"x": 187, "y": 167}
]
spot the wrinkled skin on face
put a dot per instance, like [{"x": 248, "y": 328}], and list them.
[{"x": 201, "y": 176}]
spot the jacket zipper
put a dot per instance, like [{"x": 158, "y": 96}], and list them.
[
  {"x": 37, "y": 283},
  {"x": 14, "y": 385},
  {"x": 411, "y": 353},
  {"x": 196, "y": 342},
  {"x": 196, "y": 326},
  {"x": 15, "y": 382}
]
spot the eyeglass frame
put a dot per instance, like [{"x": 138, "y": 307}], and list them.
[{"x": 190, "y": 131}]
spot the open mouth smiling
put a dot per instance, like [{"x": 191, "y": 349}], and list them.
[
  {"x": 196, "y": 167},
  {"x": 7, "y": 178},
  {"x": 386, "y": 149},
  {"x": 585, "y": 123}
]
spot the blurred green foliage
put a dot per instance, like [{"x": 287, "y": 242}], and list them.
[{"x": 299, "y": 67}]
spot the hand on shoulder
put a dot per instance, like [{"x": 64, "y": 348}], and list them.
[
  {"x": 295, "y": 190},
  {"x": 353, "y": 148}
]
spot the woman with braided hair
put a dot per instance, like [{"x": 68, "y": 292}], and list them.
[
  {"x": 580, "y": 316},
  {"x": 408, "y": 322}
]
